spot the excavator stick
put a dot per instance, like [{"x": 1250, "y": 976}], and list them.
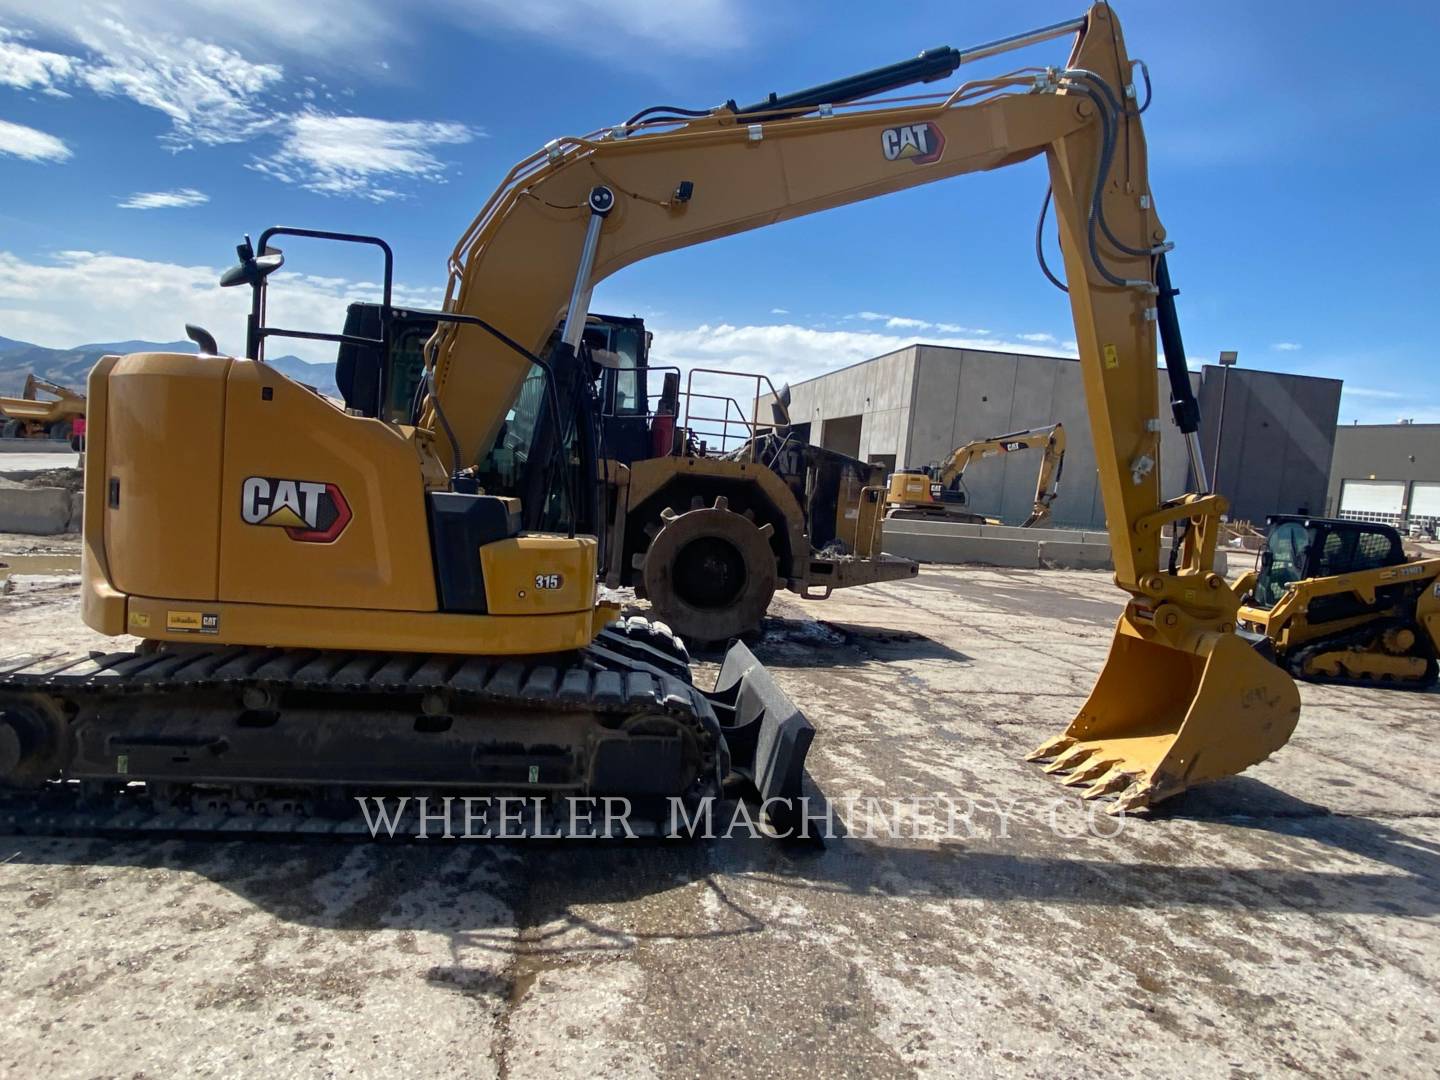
[{"x": 1166, "y": 715}]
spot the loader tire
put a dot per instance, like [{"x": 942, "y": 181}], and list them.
[
  {"x": 60, "y": 431},
  {"x": 710, "y": 573},
  {"x": 11, "y": 430}
]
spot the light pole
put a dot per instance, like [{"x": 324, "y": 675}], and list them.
[{"x": 1227, "y": 361}]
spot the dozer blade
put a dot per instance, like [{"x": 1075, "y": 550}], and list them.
[
  {"x": 768, "y": 737},
  {"x": 1163, "y": 718}
]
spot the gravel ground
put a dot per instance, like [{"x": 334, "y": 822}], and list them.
[{"x": 1281, "y": 921}]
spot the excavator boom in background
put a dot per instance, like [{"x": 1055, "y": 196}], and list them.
[
  {"x": 938, "y": 491},
  {"x": 333, "y": 603}
]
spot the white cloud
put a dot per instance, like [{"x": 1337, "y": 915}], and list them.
[
  {"x": 26, "y": 68},
  {"x": 82, "y": 296},
  {"x": 1039, "y": 339},
  {"x": 210, "y": 94},
  {"x": 358, "y": 155},
  {"x": 32, "y": 145},
  {"x": 906, "y": 322},
  {"x": 1286, "y": 346},
  {"x": 789, "y": 353},
  {"x": 779, "y": 311},
  {"x": 162, "y": 200}
]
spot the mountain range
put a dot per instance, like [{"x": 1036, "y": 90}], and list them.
[{"x": 70, "y": 367}]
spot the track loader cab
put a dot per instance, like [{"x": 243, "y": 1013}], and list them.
[
  {"x": 1298, "y": 548},
  {"x": 1340, "y": 601}
]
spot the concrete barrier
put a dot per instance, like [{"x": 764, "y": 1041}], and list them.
[
  {"x": 35, "y": 446},
  {"x": 1000, "y": 545},
  {"x": 1068, "y": 555},
  {"x": 929, "y": 547},
  {"x": 40, "y": 511}
]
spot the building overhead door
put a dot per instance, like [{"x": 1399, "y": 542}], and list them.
[
  {"x": 1372, "y": 500},
  {"x": 1425, "y": 500}
]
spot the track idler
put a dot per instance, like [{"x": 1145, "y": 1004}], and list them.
[{"x": 1171, "y": 710}]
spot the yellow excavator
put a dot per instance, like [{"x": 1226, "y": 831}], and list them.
[
  {"x": 333, "y": 604},
  {"x": 938, "y": 492}
]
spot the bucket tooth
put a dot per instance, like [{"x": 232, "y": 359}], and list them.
[
  {"x": 668, "y": 515},
  {"x": 1092, "y": 771},
  {"x": 1113, "y": 781},
  {"x": 722, "y": 503},
  {"x": 1068, "y": 760},
  {"x": 1051, "y": 748},
  {"x": 1136, "y": 797},
  {"x": 697, "y": 502},
  {"x": 767, "y": 530}
]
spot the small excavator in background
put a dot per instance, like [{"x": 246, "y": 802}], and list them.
[
  {"x": 937, "y": 492},
  {"x": 1341, "y": 601},
  {"x": 333, "y": 605}
]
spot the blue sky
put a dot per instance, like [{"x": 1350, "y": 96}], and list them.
[{"x": 1294, "y": 156}]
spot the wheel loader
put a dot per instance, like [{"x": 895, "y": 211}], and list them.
[
  {"x": 937, "y": 492},
  {"x": 334, "y": 604},
  {"x": 705, "y": 509},
  {"x": 1340, "y": 601}
]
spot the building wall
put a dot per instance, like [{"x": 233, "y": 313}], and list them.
[
  {"x": 1408, "y": 452},
  {"x": 879, "y": 391},
  {"x": 967, "y": 394},
  {"x": 1276, "y": 441},
  {"x": 920, "y": 403}
]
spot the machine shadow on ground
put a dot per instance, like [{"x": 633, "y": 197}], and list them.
[{"x": 810, "y": 643}]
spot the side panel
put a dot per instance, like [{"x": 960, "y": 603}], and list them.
[
  {"x": 539, "y": 574},
  {"x": 295, "y": 465},
  {"x": 162, "y": 448}
]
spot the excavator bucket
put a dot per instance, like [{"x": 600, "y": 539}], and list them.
[{"x": 1163, "y": 718}]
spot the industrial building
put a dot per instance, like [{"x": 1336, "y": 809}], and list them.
[
  {"x": 1388, "y": 473},
  {"x": 911, "y": 407}
]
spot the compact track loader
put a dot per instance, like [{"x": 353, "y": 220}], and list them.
[
  {"x": 937, "y": 492},
  {"x": 332, "y": 602},
  {"x": 1340, "y": 601}
]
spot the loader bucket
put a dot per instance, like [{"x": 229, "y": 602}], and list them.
[{"x": 1162, "y": 718}]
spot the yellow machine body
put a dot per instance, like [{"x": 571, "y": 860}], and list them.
[
  {"x": 1180, "y": 700},
  {"x": 932, "y": 493},
  {"x": 220, "y": 478},
  {"x": 1346, "y": 605},
  {"x": 37, "y": 417}
]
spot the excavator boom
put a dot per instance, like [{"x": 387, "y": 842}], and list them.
[{"x": 1181, "y": 699}]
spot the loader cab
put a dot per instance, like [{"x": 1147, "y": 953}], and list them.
[{"x": 1299, "y": 548}]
